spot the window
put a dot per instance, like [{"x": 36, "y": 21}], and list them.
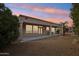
[
  {"x": 35, "y": 29},
  {"x": 28, "y": 28}
]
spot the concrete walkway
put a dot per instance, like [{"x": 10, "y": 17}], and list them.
[
  {"x": 36, "y": 37},
  {"x": 25, "y": 39}
]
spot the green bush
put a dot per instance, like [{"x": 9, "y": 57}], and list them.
[
  {"x": 75, "y": 17},
  {"x": 8, "y": 26}
]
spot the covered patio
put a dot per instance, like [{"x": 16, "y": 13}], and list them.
[{"x": 33, "y": 28}]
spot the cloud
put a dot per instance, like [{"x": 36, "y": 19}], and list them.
[
  {"x": 60, "y": 20},
  {"x": 52, "y": 11},
  {"x": 55, "y": 20},
  {"x": 22, "y": 13},
  {"x": 70, "y": 22},
  {"x": 44, "y": 9}
]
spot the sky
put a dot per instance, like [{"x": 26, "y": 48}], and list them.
[{"x": 52, "y": 12}]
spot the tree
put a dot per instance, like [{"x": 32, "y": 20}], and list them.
[
  {"x": 65, "y": 27},
  {"x": 75, "y": 17},
  {"x": 8, "y": 26}
]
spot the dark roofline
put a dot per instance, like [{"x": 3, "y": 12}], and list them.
[{"x": 38, "y": 19}]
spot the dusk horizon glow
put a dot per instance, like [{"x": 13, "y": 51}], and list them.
[{"x": 52, "y": 12}]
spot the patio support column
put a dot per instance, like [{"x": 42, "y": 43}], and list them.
[
  {"x": 24, "y": 28},
  {"x": 62, "y": 29},
  {"x": 38, "y": 30},
  {"x": 43, "y": 29},
  {"x": 21, "y": 29},
  {"x": 55, "y": 30},
  {"x": 50, "y": 30},
  {"x": 32, "y": 29}
]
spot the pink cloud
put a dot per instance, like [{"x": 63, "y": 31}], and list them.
[
  {"x": 55, "y": 20},
  {"x": 21, "y": 13},
  {"x": 45, "y": 9},
  {"x": 52, "y": 11},
  {"x": 70, "y": 22},
  {"x": 60, "y": 20}
]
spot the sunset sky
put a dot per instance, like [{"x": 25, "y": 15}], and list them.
[{"x": 52, "y": 12}]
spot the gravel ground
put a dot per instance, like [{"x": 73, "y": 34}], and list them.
[{"x": 54, "y": 46}]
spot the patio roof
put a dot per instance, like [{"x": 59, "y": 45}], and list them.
[{"x": 31, "y": 20}]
